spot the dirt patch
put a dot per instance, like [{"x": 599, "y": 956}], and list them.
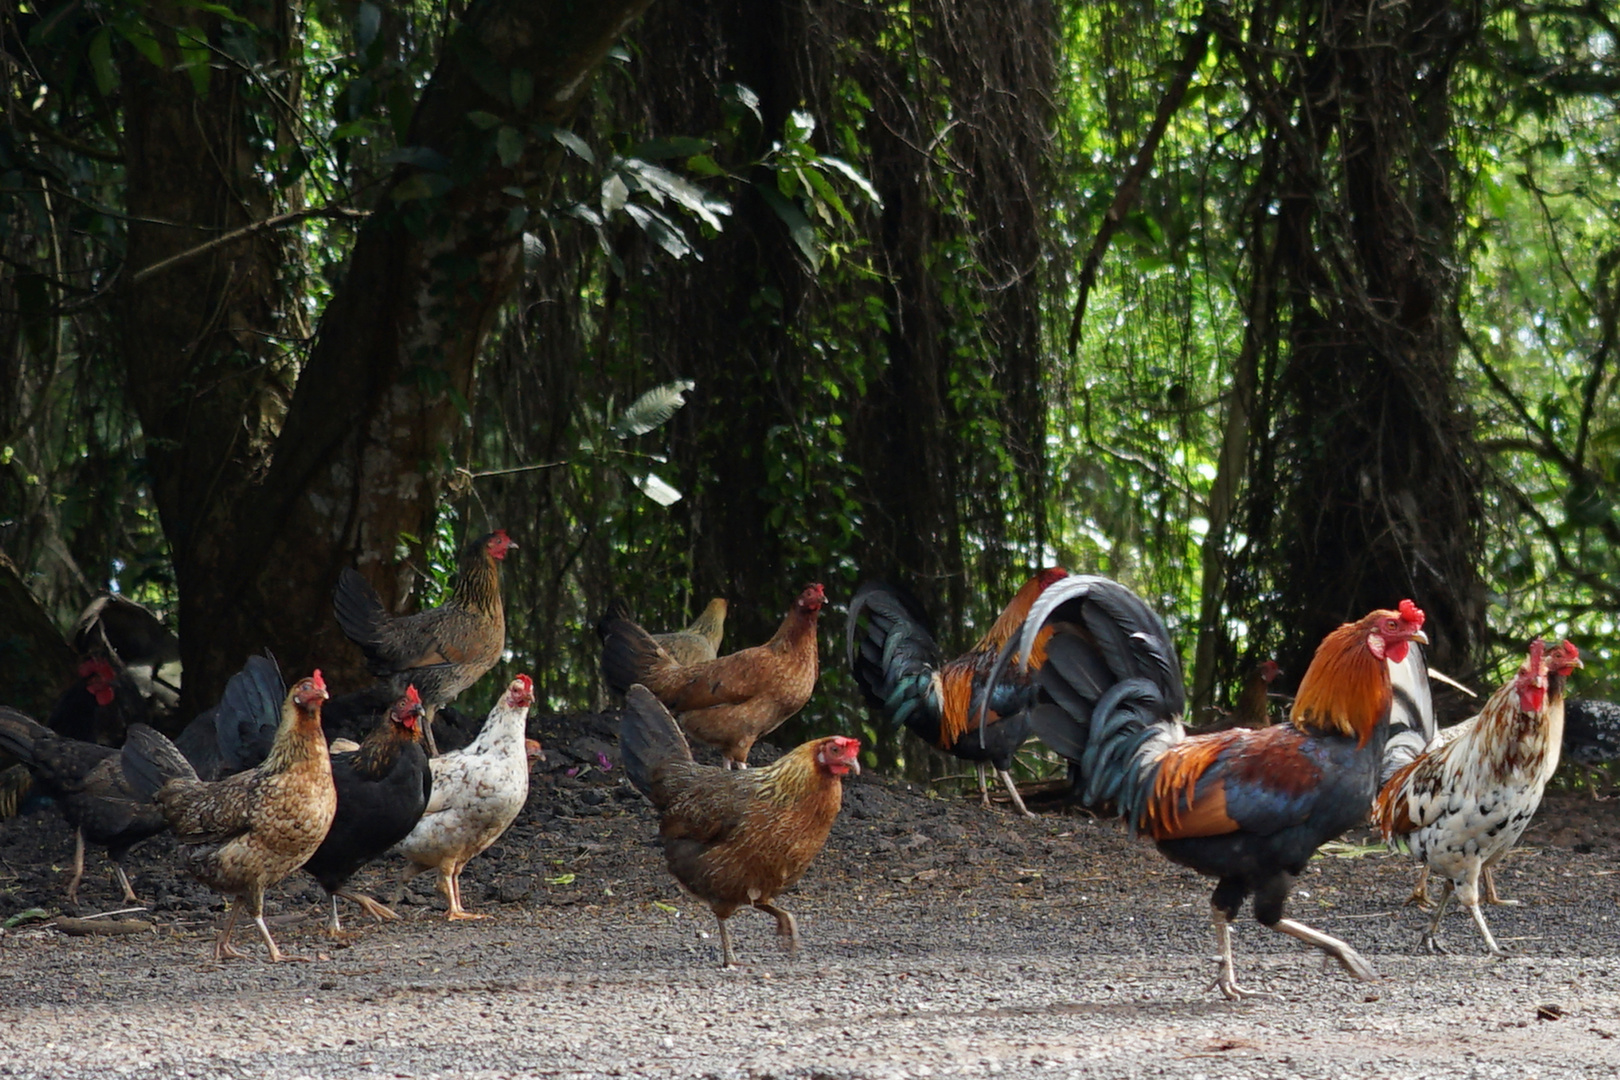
[{"x": 939, "y": 939}]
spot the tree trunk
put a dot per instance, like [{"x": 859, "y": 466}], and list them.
[
  {"x": 354, "y": 473},
  {"x": 1377, "y": 487}
]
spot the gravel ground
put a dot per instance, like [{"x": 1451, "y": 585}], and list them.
[{"x": 940, "y": 939}]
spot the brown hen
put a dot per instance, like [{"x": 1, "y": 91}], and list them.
[
  {"x": 735, "y": 839},
  {"x": 443, "y": 650},
  {"x": 243, "y": 834},
  {"x": 731, "y": 701}
]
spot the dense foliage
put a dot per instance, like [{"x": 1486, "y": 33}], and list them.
[{"x": 798, "y": 301}]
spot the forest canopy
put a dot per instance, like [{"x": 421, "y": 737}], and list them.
[{"x": 1276, "y": 311}]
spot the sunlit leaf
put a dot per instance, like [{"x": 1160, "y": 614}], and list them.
[
  {"x": 657, "y": 490},
  {"x": 652, "y": 409}
]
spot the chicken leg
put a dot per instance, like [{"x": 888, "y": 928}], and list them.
[
  {"x": 1226, "y": 980},
  {"x": 1353, "y": 962},
  {"x": 786, "y": 926},
  {"x": 1012, "y": 790},
  {"x": 78, "y": 866},
  {"x": 450, "y": 883}
]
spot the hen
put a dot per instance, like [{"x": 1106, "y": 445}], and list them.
[
  {"x": 1253, "y": 707},
  {"x": 697, "y": 643},
  {"x": 1249, "y": 808},
  {"x": 88, "y": 783},
  {"x": 243, "y": 834},
  {"x": 731, "y": 701},
  {"x": 477, "y": 794},
  {"x": 1465, "y": 802},
  {"x": 898, "y": 667},
  {"x": 1591, "y": 737},
  {"x": 735, "y": 838},
  {"x": 443, "y": 650}
]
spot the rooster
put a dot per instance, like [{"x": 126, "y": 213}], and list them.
[
  {"x": 697, "y": 643},
  {"x": 243, "y": 834},
  {"x": 1249, "y": 808},
  {"x": 1465, "y": 801},
  {"x": 87, "y": 781},
  {"x": 735, "y": 839},
  {"x": 731, "y": 701},
  {"x": 898, "y": 667},
  {"x": 477, "y": 794},
  {"x": 443, "y": 650}
]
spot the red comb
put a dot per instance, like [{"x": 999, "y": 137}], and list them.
[
  {"x": 528, "y": 683},
  {"x": 412, "y": 696},
  {"x": 320, "y": 683},
  {"x": 1538, "y": 650},
  {"x": 1411, "y": 613}
]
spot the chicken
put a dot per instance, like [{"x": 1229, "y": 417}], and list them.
[
  {"x": 731, "y": 701},
  {"x": 243, "y": 834},
  {"x": 1465, "y": 802},
  {"x": 697, "y": 643},
  {"x": 443, "y": 650},
  {"x": 1253, "y": 708},
  {"x": 735, "y": 838},
  {"x": 88, "y": 783},
  {"x": 477, "y": 794},
  {"x": 898, "y": 667},
  {"x": 1249, "y": 808}
]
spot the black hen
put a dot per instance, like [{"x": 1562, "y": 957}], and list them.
[
  {"x": 382, "y": 790},
  {"x": 89, "y": 784}
]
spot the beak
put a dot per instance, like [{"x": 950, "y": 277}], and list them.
[
  {"x": 1420, "y": 637},
  {"x": 854, "y": 766}
]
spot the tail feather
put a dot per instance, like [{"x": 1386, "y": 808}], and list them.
[
  {"x": 149, "y": 761},
  {"x": 18, "y": 733},
  {"x": 360, "y": 612},
  {"x": 1412, "y": 725},
  {"x": 617, "y": 611},
  {"x": 891, "y": 652},
  {"x": 628, "y": 654},
  {"x": 249, "y": 712},
  {"x": 650, "y": 741}
]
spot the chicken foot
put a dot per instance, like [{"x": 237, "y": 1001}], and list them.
[
  {"x": 450, "y": 885},
  {"x": 78, "y": 866},
  {"x": 1226, "y": 980},
  {"x": 728, "y": 959},
  {"x": 1353, "y": 962},
  {"x": 1431, "y": 940},
  {"x": 375, "y": 908},
  {"x": 786, "y": 926},
  {"x": 1012, "y": 790}
]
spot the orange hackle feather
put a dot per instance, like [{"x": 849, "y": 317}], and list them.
[
  {"x": 957, "y": 677},
  {"x": 1170, "y": 811},
  {"x": 1346, "y": 689},
  {"x": 1392, "y": 811}
]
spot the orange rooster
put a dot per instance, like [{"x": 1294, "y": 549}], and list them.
[
  {"x": 735, "y": 839},
  {"x": 898, "y": 668},
  {"x": 1465, "y": 801},
  {"x": 1247, "y": 807},
  {"x": 731, "y": 701}
]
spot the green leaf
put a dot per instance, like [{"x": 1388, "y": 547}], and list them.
[
  {"x": 670, "y": 908},
  {"x": 561, "y": 879},
  {"x": 657, "y": 490},
  {"x": 482, "y": 120},
  {"x": 799, "y": 227},
  {"x": 704, "y": 165},
  {"x": 652, "y": 409},
  {"x": 138, "y": 34},
  {"x": 574, "y": 144},
  {"x": 33, "y": 914},
  {"x": 509, "y": 145},
  {"x": 101, "y": 64},
  {"x": 658, "y": 226},
  {"x": 216, "y": 9},
  {"x": 615, "y": 194},
  {"x": 826, "y": 196},
  {"x": 854, "y": 176},
  {"x": 687, "y": 194}
]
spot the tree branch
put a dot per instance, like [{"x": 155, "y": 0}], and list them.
[{"x": 1125, "y": 196}]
